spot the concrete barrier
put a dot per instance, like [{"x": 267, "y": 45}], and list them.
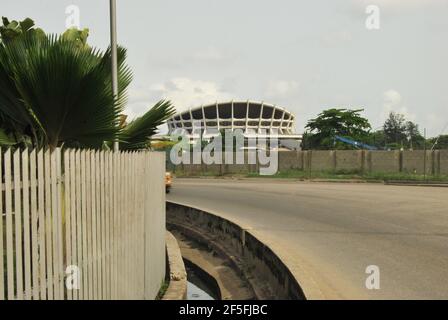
[
  {"x": 396, "y": 161},
  {"x": 288, "y": 160},
  {"x": 270, "y": 269},
  {"x": 349, "y": 160},
  {"x": 382, "y": 161},
  {"x": 414, "y": 162},
  {"x": 177, "y": 288},
  {"x": 320, "y": 160},
  {"x": 443, "y": 162}
]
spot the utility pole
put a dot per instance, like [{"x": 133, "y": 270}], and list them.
[
  {"x": 113, "y": 45},
  {"x": 424, "y": 158}
]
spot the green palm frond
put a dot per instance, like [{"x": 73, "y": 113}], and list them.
[
  {"x": 62, "y": 91},
  {"x": 6, "y": 140},
  {"x": 137, "y": 133}
]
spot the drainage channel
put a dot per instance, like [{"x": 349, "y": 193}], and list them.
[{"x": 198, "y": 287}]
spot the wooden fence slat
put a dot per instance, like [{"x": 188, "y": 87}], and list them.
[
  {"x": 93, "y": 226},
  {"x": 124, "y": 223},
  {"x": 54, "y": 224},
  {"x": 79, "y": 228},
  {"x": 2, "y": 250},
  {"x": 26, "y": 224},
  {"x": 142, "y": 198},
  {"x": 116, "y": 209},
  {"x": 134, "y": 266},
  {"x": 73, "y": 222},
  {"x": 49, "y": 229},
  {"x": 42, "y": 226},
  {"x": 121, "y": 259},
  {"x": 108, "y": 265},
  {"x": 112, "y": 222},
  {"x": 88, "y": 200},
  {"x": 135, "y": 226},
  {"x": 68, "y": 215},
  {"x": 98, "y": 226},
  {"x": 60, "y": 272},
  {"x": 104, "y": 272},
  {"x": 128, "y": 225},
  {"x": 118, "y": 204},
  {"x": 34, "y": 226},
  {"x": 123, "y": 217},
  {"x": 9, "y": 227},
  {"x": 129, "y": 217},
  {"x": 18, "y": 226},
  {"x": 84, "y": 226}
]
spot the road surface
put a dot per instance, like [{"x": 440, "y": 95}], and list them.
[{"x": 334, "y": 231}]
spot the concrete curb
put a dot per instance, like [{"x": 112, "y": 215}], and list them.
[
  {"x": 177, "y": 289},
  {"x": 288, "y": 279},
  {"x": 319, "y": 180},
  {"x": 417, "y": 184},
  {"x": 283, "y": 180}
]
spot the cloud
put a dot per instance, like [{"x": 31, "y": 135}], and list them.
[
  {"x": 435, "y": 124},
  {"x": 399, "y": 4},
  {"x": 281, "y": 88},
  {"x": 210, "y": 54},
  {"x": 392, "y": 98},
  {"x": 393, "y": 102},
  {"x": 335, "y": 38},
  {"x": 186, "y": 92}
]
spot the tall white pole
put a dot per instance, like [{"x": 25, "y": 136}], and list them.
[{"x": 113, "y": 44}]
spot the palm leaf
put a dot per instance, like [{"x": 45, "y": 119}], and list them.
[
  {"x": 136, "y": 134},
  {"x": 6, "y": 140},
  {"x": 62, "y": 90}
]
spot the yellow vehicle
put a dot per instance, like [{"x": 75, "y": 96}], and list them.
[{"x": 168, "y": 181}]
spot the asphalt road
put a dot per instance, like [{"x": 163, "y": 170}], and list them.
[{"x": 333, "y": 231}]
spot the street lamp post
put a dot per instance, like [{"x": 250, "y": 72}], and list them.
[{"x": 113, "y": 44}]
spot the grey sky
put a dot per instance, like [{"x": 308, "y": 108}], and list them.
[{"x": 302, "y": 55}]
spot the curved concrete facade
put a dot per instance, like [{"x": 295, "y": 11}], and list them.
[{"x": 251, "y": 117}]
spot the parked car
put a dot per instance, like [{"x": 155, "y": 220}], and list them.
[{"x": 168, "y": 181}]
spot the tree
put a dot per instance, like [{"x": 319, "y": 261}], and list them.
[
  {"x": 332, "y": 122},
  {"x": 400, "y": 133},
  {"x": 377, "y": 139},
  {"x": 395, "y": 128},
  {"x": 57, "y": 91},
  {"x": 415, "y": 139},
  {"x": 11, "y": 30},
  {"x": 439, "y": 143}
]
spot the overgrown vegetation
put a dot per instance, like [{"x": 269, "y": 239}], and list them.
[
  {"x": 355, "y": 175},
  {"x": 335, "y": 122},
  {"x": 396, "y": 133},
  {"x": 163, "y": 289}
]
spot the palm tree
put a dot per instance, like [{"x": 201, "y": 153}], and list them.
[{"x": 55, "y": 92}]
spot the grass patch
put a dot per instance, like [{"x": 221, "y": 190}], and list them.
[
  {"x": 351, "y": 175},
  {"x": 163, "y": 288}
]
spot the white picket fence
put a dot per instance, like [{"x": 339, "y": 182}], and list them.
[{"x": 81, "y": 224}]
